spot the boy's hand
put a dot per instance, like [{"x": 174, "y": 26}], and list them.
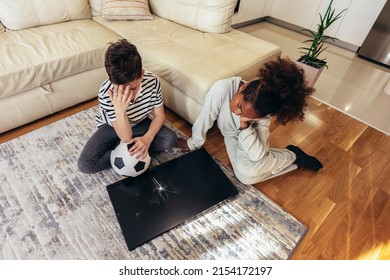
[
  {"x": 140, "y": 147},
  {"x": 182, "y": 144},
  {"x": 121, "y": 96}
]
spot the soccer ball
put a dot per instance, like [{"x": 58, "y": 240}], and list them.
[{"x": 126, "y": 165}]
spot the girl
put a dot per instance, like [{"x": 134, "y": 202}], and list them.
[{"x": 243, "y": 112}]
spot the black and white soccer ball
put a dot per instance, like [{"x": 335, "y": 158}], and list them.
[{"x": 126, "y": 165}]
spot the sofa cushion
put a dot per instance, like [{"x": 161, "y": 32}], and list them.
[
  {"x": 96, "y": 7},
  {"x": 37, "y": 56},
  {"x": 126, "y": 10},
  {"x": 190, "y": 60},
  {"x": 41, "y": 12},
  {"x": 205, "y": 15}
]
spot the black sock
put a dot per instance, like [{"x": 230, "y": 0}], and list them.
[{"x": 304, "y": 160}]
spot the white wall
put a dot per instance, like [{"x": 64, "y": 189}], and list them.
[
  {"x": 251, "y": 10},
  {"x": 338, "y": 6},
  {"x": 298, "y": 12},
  {"x": 352, "y": 28},
  {"x": 358, "y": 20}
]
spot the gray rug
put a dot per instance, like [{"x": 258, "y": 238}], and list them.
[{"x": 49, "y": 210}]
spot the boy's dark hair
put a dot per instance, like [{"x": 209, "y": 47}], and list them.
[
  {"x": 123, "y": 62},
  {"x": 280, "y": 91}
]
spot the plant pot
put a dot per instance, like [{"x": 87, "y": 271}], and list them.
[{"x": 311, "y": 73}]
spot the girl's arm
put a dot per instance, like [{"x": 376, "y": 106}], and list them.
[
  {"x": 208, "y": 114},
  {"x": 253, "y": 141}
]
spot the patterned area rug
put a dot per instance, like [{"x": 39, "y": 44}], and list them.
[{"x": 49, "y": 210}]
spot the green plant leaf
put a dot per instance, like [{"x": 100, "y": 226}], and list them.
[{"x": 312, "y": 33}]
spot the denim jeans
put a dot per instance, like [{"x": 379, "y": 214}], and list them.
[{"x": 95, "y": 156}]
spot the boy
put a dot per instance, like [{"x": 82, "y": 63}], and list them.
[
  {"x": 126, "y": 100},
  {"x": 243, "y": 112}
]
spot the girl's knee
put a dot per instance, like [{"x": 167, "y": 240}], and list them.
[
  {"x": 244, "y": 179},
  {"x": 242, "y": 174}
]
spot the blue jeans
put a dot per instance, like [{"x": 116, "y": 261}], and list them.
[{"x": 95, "y": 156}]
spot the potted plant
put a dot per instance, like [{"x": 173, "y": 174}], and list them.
[{"x": 310, "y": 61}]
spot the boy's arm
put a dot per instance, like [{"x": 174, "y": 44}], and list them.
[
  {"x": 121, "y": 98},
  {"x": 142, "y": 144},
  {"x": 156, "y": 124},
  {"x": 122, "y": 128}
]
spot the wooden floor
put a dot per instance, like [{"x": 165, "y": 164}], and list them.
[{"x": 346, "y": 205}]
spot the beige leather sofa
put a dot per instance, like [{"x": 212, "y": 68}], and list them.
[{"x": 52, "y": 53}]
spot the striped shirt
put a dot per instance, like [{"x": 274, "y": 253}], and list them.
[{"x": 148, "y": 98}]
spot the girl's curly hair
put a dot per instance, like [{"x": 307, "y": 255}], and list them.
[{"x": 280, "y": 91}]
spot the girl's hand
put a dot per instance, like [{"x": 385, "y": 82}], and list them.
[{"x": 244, "y": 122}]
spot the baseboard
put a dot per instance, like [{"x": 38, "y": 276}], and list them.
[{"x": 242, "y": 24}]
